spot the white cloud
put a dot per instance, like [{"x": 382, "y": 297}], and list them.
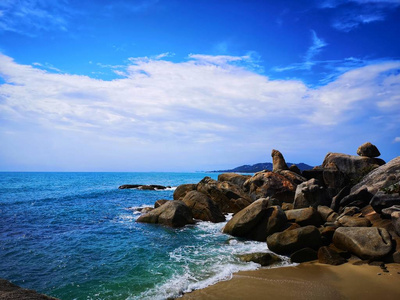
[
  {"x": 397, "y": 139},
  {"x": 205, "y": 104}
]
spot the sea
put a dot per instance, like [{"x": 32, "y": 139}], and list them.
[{"x": 75, "y": 236}]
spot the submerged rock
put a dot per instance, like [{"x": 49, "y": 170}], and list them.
[{"x": 173, "y": 213}]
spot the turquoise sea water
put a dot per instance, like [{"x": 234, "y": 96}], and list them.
[{"x": 74, "y": 236}]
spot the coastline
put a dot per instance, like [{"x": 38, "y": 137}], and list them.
[{"x": 310, "y": 280}]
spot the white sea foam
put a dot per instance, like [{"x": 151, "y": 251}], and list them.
[{"x": 205, "y": 263}]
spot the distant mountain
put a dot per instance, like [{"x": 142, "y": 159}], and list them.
[{"x": 260, "y": 167}]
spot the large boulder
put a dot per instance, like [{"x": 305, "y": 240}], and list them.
[
  {"x": 303, "y": 255},
  {"x": 381, "y": 200},
  {"x": 183, "y": 189},
  {"x": 160, "y": 202},
  {"x": 229, "y": 197},
  {"x": 360, "y": 198},
  {"x": 310, "y": 193},
  {"x": 10, "y": 291},
  {"x": 355, "y": 167},
  {"x": 202, "y": 207},
  {"x": 349, "y": 221},
  {"x": 278, "y": 162},
  {"x": 365, "y": 242},
  {"x": 290, "y": 241},
  {"x": 304, "y": 216},
  {"x": 369, "y": 150},
  {"x": 234, "y": 178},
  {"x": 256, "y": 221},
  {"x": 270, "y": 184},
  {"x": 380, "y": 178},
  {"x": 396, "y": 221},
  {"x": 327, "y": 214},
  {"x": 264, "y": 259},
  {"x": 292, "y": 176},
  {"x": 173, "y": 213}
]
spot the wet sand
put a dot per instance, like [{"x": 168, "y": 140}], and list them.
[{"x": 308, "y": 281}]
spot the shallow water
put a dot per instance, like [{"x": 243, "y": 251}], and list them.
[{"x": 74, "y": 236}]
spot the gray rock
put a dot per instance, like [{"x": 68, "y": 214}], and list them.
[
  {"x": 381, "y": 200},
  {"x": 304, "y": 216},
  {"x": 290, "y": 241},
  {"x": 360, "y": 198},
  {"x": 310, "y": 193},
  {"x": 369, "y": 150},
  {"x": 365, "y": 242},
  {"x": 387, "y": 212},
  {"x": 329, "y": 256},
  {"x": 173, "y": 213},
  {"x": 256, "y": 221},
  {"x": 264, "y": 259},
  {"x": 202, "y": 207}
]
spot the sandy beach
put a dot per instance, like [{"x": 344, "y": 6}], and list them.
[{"x": 308, "y": 281}]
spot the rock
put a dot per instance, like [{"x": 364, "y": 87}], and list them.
[
  {"x": 173, "y": 213},
  {"x": 350, "y": 211},
  {"x": 327, "y": 214},
  {"x": 382, "y": 200},
  {"x": 329, "y": 256},
  {"x": 269, "y": 184},
  {"x": 290, "y": 241},
  {"x": 335, "y": 205},
  {"x": 160, "y": 202},
  {"x": 359, "y": 198},
  {"x": 295, "y": 169},
  {"x": 304, "y": 216},
  {"x": 290, "y": 226},
  {"x": 303, "y": 255},
  {"x": 287, "y": 206},
  {"x": 365, "y": 242},
  {"x": 396, "y": 221},
  {"x": 348, "y": 221},
  {"x": 291, "y": 176},
  {"x": 387, "y": 212},
  {"x": 256, "y": 221},
  {"x": 327, "y": 233},
  {"x": 10, "y": 291},
  {"x": 355, "y": 167},
  {"x": 278, "y": 162},
  {"x": 227, "y": 196},
  {"x": 310, "y": 193},
  {"x": 368, "y": 150},
  {"x": 151, "y": 187},
  {"x": 264, "y": 259},
  {"x": 234, "y": 178},
  {"x": 316, "y": 172},
  {"x": 183, "y": 189},
  {"x": 334, "y": 179},
  {"x": 380, "y": 178},
  {"x": 202, "y": 207},
  {"x": 145, "y": 210}
]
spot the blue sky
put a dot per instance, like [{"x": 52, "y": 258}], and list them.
[{"x": 157, "y": 85}]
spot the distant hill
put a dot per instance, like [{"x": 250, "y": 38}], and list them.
[{"x": 261, "y": 166}]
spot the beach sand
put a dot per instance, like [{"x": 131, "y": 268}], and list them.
[{"x": 308, "y": 281}]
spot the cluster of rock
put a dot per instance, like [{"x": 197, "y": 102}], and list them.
[
  {"x": 151, "y": 187},
  {"x": 350, "y": 205}
]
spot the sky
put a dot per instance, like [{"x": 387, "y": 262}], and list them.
[{"x": 174, "y": 85}]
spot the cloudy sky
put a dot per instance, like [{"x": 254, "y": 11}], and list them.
[{"x": 173, "y": 85}]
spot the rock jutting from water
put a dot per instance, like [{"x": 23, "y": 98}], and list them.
[{"x": 348, "y": 204}]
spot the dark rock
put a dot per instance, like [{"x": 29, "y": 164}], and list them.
[
  {"x": 336, "y": 199},
  {"x": 256, "y": 221},
  {"x": 227, "y": 196},
  {"x": 360, "y": 199},
  {"x": 264, "y": 259},
  {"x": 327, "y": 233},
  {"x": 310, "y": 193},
  {"x": 304, "y": 216},
  {"x": 160, "y": 202},
  {"x": 368, "y": 150},
  {"x": 329, "y": 256},
  {"x": 387, "y": 212},
  {"x": 350, "y": 211},
  {"x": 354, "y": 167},
  {"x": 396, "y": 221},
  {"x": 316, "y": 172},
  {"x": 151, "y": 187},
  {"x": 382, "y": 200},
  {"x": 9, "y": 291},
  {"x": 348, "y": 221},
  {"x": 173, "y": 213},
  {"x": 270, "y": 184},
  {"x": 334, "y": 179},
  {"x": 234, "y": 178},
  {"x": 290, "y": 226},
  {"x": 380, "y": 178},
  {"x": 327, "y": 214},
  {"x": 295, "y": 169},
  {"x": 290, "y": 241},
  {"x": 202, "y": 207},
  {"x": 365, "y": 242},
  {"x": 183, "y": 189},
  {"x": 303, "y": 255},
  {"x": 278, "y": 162},
  {"x": 291, "y": 176}
]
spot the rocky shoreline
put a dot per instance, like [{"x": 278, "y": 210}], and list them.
[{"x": 347, "y": 207}]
